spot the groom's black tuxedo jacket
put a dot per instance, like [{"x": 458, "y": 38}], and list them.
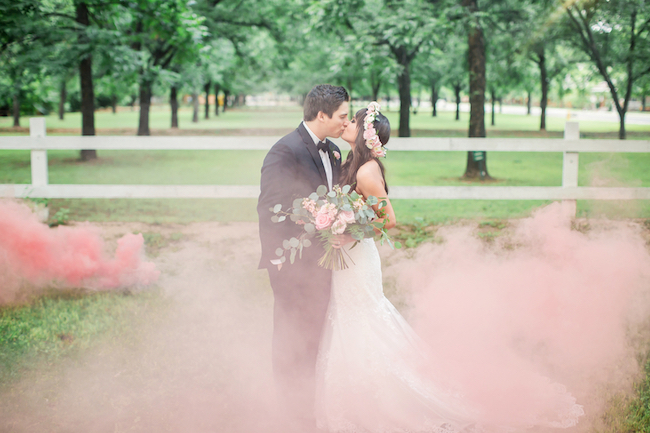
[{"x": 292, "y": 169}]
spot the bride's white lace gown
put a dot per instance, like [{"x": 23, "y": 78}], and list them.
[{"x": 370, "y": 370}]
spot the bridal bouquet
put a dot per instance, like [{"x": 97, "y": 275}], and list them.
[{"x": 327, "y": 214}]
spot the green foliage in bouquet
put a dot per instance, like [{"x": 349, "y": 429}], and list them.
[{"x": 329, "y": 214}]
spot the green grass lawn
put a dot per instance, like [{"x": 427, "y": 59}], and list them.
[
  {"x": 61, "y": 324},
  {"x": 243, "y": 167},
  {"x": 248, "y": 119}
]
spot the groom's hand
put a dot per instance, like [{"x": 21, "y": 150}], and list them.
[{"x": 337, "y": 241}]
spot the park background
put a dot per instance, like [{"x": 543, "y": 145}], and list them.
[{"x": 222, "y": 68}]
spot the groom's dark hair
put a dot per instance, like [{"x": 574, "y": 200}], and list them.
[{"x": 325, "y": 98}]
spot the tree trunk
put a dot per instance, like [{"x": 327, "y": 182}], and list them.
[
  {"x": 457, "y": 92},
  {"x": 86, "y": 83},
  {"x": 145, "y": 104},
  {"x": 621, "y": 131},
  {"x": 529, "y": 104},
  {"x": 195, "y": 105},
  {"x": 544, "y": 84},
  {"x": 173, "y": 101},
  {"x": 476, "y": 163},
  {"x": 217, "y": 88},
  {"x": 492, "y": 100},
  {"x": 404, "y": 87},
  {"x": 349, "y": 89},
  {"x": 16, "y": 111},
  {"x": 226, "y": 95},
  {"x": 207, "y": 96},
  {"x": 643, "y": 102},
  {"x": 375, "y": 90},
  {"x": 62, "y": 97},
  {"x": 434, "y": 99}
]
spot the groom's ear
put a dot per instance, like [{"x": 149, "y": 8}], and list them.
[{"x": 322, "y": 116}]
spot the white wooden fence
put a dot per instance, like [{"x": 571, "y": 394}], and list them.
[{"x": 571, "y": 146}]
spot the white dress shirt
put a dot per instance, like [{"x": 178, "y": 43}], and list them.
[{"x": 324, "y": 156}]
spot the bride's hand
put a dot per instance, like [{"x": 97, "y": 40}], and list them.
[{"x": 337, "y": 241}]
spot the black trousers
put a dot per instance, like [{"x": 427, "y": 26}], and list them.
[{"x": 301, "y": 295}]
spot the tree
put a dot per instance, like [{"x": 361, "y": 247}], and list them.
[
  {"x": 615, "y": 36},
  {"x": 159, "y": 30},
  {"x": 476, "y": 161},
  {"x": 405, "y": 27}
]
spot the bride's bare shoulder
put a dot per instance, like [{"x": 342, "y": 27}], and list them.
[{"x": 369, "y": 173}]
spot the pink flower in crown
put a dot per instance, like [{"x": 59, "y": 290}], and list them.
[
  {"x": 323, "y": 219},
  {"x": 339, "y": 226},
  {"x": 369, "y": 132},
  {"x": 378, "y": 151},
  {"x": 336, "y": 155},
  {"x": 373, "y": 106}
]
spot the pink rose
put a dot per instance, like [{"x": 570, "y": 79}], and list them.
[
  {"x": 347, "y": 216},
  {"x": 323, "y": 219},
  {"x": 369, "y": 133},
  {"x": 337, "y": 155},
  {"x": 339, "y": 226}
]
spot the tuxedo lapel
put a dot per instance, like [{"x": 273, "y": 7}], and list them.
[{"x": 309, "y": 143}]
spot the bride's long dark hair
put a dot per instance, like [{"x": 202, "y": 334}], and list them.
[{"x": 361, "y": 154}]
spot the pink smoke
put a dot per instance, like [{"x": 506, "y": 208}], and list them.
[
  {"x": 546, "y": 307},
  {"x": 70, "y": 256}
]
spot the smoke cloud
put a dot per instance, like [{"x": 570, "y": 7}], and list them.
[
  {"x": 542, "y": 304},
  {"x": 543, "y": 308},
  {"x": 33, "y": 253}
]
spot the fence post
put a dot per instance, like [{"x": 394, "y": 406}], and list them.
[
  {"x": 570, "y": 164},
  {"x": 39, "y": 156}
]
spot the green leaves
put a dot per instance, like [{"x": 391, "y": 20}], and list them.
[{"x": 320, "y": 191}]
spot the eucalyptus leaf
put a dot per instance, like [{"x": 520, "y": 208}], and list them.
[
  {"x": 345, "y": 189},
  {"x": 331, "y": 194},
  {"x": 372, "y": 200},
  {"x": 279, "y": 252},
  {"x": 346, "y": 207},
  {"x": 294, "y": 217},
  {"x": 283, "y": 259},
  {"x": 313, "y": 196},
  {"x": 306, "y": 243},
  {"x": 297, "y": 203},
  {"x": 282, "y": 218},
  {"x": 292, "y": 257},
  {"x": 398, "y": 245},
  {"x": 285, "y": 244},
  {"x": 277, "y": 208},
  {"x": 275, "y": 219},
  {"x": 354, "y": 196},
  {"x": 321, "y": 190},
  {"x": 294, "y": 242},
  {"x": 309, "y": 228}
]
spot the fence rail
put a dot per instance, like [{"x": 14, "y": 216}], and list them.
[{"x": 571, "y": 146}]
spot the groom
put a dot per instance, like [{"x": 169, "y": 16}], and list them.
[{"x": 294, "y": 167}]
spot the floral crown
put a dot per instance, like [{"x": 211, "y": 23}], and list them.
[{"x": 370, "y": 134}]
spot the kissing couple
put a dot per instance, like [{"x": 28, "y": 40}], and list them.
[{"x": 344, "y": 359}]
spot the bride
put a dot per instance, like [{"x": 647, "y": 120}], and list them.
[{"x": 374, "y": 374}]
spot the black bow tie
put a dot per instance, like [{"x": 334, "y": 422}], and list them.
[{"x": 322, "y": 146}]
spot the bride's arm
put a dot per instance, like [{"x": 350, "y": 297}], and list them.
[{"x": 371, "y": 182}]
